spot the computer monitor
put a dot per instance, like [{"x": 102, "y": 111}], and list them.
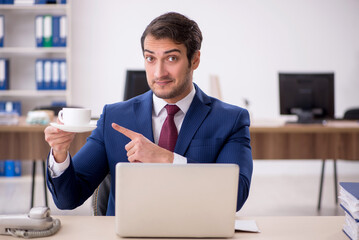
[
  {"x": 310, "y": 96},
  {"x": 136, "y": 83}
]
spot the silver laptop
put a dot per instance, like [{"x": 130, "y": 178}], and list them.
[{"x": 167, "y": 200}]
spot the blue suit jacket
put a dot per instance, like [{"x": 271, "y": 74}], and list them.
[{"x": 211, "y": 132}]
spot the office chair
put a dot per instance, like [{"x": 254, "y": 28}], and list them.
[
  {"x": 351, "y": 114},
  {"x": 136, "y": 84},
  {"x": 100, "y": 197}
]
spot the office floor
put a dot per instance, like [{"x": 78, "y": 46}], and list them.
[{"x": 279, "y": 188}]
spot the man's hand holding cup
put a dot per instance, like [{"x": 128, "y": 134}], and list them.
[{"x": 60, "y": 140}]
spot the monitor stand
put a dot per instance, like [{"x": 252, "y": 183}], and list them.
[
  {"x": 306, "y": 117},
  {"x": 313, "y": 121}
]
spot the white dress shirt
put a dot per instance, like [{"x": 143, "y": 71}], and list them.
[{"x": 159, "y": 115}]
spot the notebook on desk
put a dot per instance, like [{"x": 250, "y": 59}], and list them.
[{"x": 166, "y": 200}]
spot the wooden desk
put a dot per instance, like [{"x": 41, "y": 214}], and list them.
[
  {"x": 27, "y": 142},
  {"x": 276, "y": 228},
  {"x": 336, "y": 140}
]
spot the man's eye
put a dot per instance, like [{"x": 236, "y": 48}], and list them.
[
  {"x": 149, "y": 59},
  {"x": 172, "y": 59}
]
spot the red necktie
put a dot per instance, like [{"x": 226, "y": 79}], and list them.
[{"x": 169, "y": 134}]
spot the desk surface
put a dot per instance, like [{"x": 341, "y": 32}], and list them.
[
  {"x": 278, "y": 228},
  {"x": 269, "y": 140},
  {"x": 27, "y": 142},
  {"x": 256, "y": 126},
  {"x": 335, "y": 140},
  {"x": 329, "y": 127}
]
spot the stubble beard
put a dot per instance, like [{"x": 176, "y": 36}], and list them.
[{"x": 175, "y": 92}]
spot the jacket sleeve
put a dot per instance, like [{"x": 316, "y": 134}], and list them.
[
  {"x": 236, "y": 149},
  {"x": 86, "y": 171}
]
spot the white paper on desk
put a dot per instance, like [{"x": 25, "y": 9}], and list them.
[{"x": 246, "y": 226}]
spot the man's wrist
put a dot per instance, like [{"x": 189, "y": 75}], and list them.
[
  {"x": 59, "y": 157},
  {"x": 55, "y": 168},
  {"x": 169, "y": 156}
]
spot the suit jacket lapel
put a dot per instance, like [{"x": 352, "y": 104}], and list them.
[
  {"x": 143, "y": 115},
  {"x": 196, "y": 114}
]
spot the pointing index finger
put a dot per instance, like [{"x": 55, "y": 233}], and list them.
[{"x": 127, "y": 132}]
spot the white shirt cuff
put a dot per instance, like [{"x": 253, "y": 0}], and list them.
[
  {"x": 56, "y": 169},
  {"x": 178, "y": 159}
]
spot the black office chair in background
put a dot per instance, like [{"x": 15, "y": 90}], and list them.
[
  {"x": 350, "y": 114},
  {"x": 136, "y": 84}
]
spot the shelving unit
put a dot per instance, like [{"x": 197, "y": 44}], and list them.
[
  {"x": 24, "y": 50},
  {"x": 20, "y": 48},
  {"x": 36, "y": 7},
  {"x": 33, "y": 93}
]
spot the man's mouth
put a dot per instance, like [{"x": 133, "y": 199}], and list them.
[{"x": 163, "y": 82}]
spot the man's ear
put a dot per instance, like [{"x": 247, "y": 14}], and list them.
[{"x": 196, "y": 60}]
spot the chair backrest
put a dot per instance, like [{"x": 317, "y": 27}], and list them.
[
  {"x": 100, "y": 197},
  {"x": 136, "y": 84},
  {"x": 352, "y": 114}
]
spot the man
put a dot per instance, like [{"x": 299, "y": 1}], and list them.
[{"x": 209, "y": 131}]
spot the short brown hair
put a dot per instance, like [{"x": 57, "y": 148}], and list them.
[{"x": 178, "y": 28}]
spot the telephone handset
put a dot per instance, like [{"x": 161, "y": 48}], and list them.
[{"x": 37, "y": 223}]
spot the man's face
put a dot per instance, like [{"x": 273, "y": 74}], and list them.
[{"x": 167, "y": 68}]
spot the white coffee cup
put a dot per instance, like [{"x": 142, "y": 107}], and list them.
[{"x": 75, "y": 116}]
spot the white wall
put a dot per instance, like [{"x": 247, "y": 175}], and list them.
[{"x": 246, "y": 43}]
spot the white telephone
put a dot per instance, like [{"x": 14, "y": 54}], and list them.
[{"x": 37, "y": 223}]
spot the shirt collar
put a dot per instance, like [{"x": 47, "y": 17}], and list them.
[{"x": 183, "y": 104}]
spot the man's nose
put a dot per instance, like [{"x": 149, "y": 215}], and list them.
[{"x": 160, "y": 70}]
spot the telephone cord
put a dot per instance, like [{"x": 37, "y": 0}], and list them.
[{"x": 36, "y": 233}]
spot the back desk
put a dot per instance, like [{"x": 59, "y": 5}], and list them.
[
  {"x": 336, "y": 140},
  {"x": 27, "y": 142}
]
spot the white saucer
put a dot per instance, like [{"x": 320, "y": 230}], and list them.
[{"x": 75, "y": 129}]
